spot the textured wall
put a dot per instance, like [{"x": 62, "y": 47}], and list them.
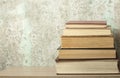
[
  {"x": 116, "y": 25},
  {"x": 30, "y": 30}
]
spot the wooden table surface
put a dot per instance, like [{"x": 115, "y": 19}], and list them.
[
  {"x": 45, "y": 72},
  {"x": 28, "y": 71}
]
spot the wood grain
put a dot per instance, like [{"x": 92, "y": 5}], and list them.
[
  {"x": 87, "y": 67},
  {"x": 87, "y": 42},
  {"x": 86, "y": 54}
]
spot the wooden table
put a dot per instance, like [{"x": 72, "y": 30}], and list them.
[{"x": 45, "y": 72}]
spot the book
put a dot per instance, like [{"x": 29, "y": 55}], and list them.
[
  {"x": 87, "y": 38},
  {"x": 87, "y": 54},
  {"x": 86, "y": 24},
  {"x": 74, "y": 67},
  {"x": 87, "y": 32}
]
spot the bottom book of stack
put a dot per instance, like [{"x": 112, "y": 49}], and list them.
[{"x": 64, "y": 67}]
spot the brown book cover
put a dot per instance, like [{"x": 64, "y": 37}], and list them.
[
  {"x": 87, "y": 54},
  {"x": 86, "y": 25},
  {"x": 87, "y": 38},
  {"x": 86, "y": 32},
  {"x": 88, "y": 22},
  {"x": 87, "y": 42}
]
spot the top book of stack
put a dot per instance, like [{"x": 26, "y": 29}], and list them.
[{"x": 86, "y": 24}]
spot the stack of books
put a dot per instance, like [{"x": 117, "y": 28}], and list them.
[{"x": 87, "y": 47}]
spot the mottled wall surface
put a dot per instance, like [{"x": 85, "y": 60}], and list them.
[
  {"x": 116, "y": 25},
  {"x": 30, "y": 30}
]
